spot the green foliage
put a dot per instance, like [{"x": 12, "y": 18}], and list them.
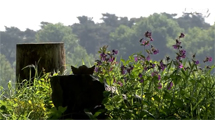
[
  {"x": 57, "y": 33},
  {"x": 6, "y": 71},
  {"x": 32, "y": 102},
  {"x": 11, "y": 37},
  {"x": 171, "y": 93},
  {"x": 121, "y": 38},
  {"x": 166, "y": 91}
]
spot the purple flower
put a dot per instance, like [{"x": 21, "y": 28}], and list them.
[
  {"x": 153, "y": 74},
  {"x": 111, "y": 59},
  {"x": 145, "y": 68},
  {"x": 145, "y": 43},
  {"x": 115, "y": 52},
  {"x": 111, "y": 69},
  {"x": 123, "y": 69},
  {"x": 148, "y": 58},
  {"x": 159, "y": 86},
  {"x": 183, "y": 56},
  {"x": 103, "y": 56},
  {"x": 148, "y": 34},
  {"x": 141, "y": 81},
  {"x": 162, "y": 66},
  {"x": 180, "y": 65},
  {"x": 151, "y": 39},
  {"x": 156, "y": 74},
  {"x": 178, "y": 57},
  {"x": 182, "y": 53},
  {"x": 153, "y": 65},
  {"x": 170, "y": 85},
  {"x": 155, "y": 51},
  {"x": 140, "y": 75},
  {"x": 177, "y": 45},
  {"x": 129, "y": 69},
  {"x": 181, "y": 35},
  {"x": 136, "y": 58},
  {"x": 197, "y": 62},
  {"x": 98, "y": 62},
  {"x": 120, "y": 83},
  {"x": 208, "y": 59},
  {"x": 96, "y": 69}
]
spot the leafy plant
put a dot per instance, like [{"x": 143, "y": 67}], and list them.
[{"x": 167, "y": 89}]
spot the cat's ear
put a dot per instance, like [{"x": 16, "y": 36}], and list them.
[
  {"x": 75, "y": 70},
  {"x": 91, "y": 70}
]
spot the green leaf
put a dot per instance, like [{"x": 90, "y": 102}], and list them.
[
  {"x": 176, "y": 79},
  {"x": 108, "y": 81},
  {"x": 167, "y": 95},
  {"x": 209, "y": 71},
  {"x": 184, "y": 73},
  {"x": 142, "y": 56},
  {"x": 178, "y": 103},
  {"x": 62, "y": 109},
  {"x": 98, "y": 112},
  {"x": 9, "y": 85},
  {"x": 123, "y": 61},
  {"x": 198, "y": 103},
  {"x": 148, "y": 95},
  {"x": 90, "y": 115},
  {"x": 166, "y": 77},
  {"x": 83, "y": 62},
  {"x": 156, "y": 98},
  {"x": 193, "y": 81}
]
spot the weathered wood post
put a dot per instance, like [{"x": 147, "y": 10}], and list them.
[{"x": 51, "y": 57}]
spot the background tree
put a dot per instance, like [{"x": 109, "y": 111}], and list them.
[
  {"x": 6, "y": 72},
  {"x": 187, "y": 21},
  {"x": 9, "y": 39},
  {"x": 60, "y": 33},
  {"x": 163, "y": 29},
  {"x": 83, "y": 39},
  {"x": 12, "y": 36}
]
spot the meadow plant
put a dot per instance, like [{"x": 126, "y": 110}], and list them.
[
  {"x": 29, "y": 102},
  {"x": 169, "y": 89},
  {"x": 166, "y": 89}
]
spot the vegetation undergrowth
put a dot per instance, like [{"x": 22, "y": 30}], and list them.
[{"x": 167, "y": 89}]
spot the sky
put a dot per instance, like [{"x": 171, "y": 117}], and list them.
[{"x": 29, "y": 13}]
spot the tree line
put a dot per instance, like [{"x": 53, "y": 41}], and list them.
[{"x": 82, "y": 40}]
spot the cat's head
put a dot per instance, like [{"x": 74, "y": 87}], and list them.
[{"x": 82, "y": 70}]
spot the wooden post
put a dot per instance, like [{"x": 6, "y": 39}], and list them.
[{"x": 50, "y": 56}]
